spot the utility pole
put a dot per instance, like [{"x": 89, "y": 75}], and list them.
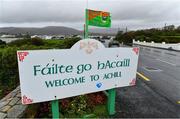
[
  {"x": 126, "y": 29},
  {"x": 165, "y": 26}
]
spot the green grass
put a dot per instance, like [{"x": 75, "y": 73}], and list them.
[
  {"x": 99, "y": 111},
  {"x": 53, "y": 42},
  {"x": 170, "y": 36}
]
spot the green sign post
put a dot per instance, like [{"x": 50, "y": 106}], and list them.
[
  {"x": 111, "y": 101},
  {"x": 55, "y": 109}
]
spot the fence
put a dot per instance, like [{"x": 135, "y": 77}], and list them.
[{"x": 159, "y": 45}]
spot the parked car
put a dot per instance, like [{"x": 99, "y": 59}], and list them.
[
  {"x": 114, "y": 44},
  {"x": 102, "y": 40}
]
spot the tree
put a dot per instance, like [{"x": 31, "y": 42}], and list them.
[
  {"x": 125, "y": 38},
  {"x": 37, "y": 41},
  {"x": 2, "y": 42},
  {"x": 119, "y": 36},
  {"x": 169, "y": 28},
  {"x": 178, "y": 29}
]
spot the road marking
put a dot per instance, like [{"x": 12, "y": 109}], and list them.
[
  {"x": 178, "y": 102},
  {"x": 146, "y": 56},
  {"x": 152, "y": 70},
  {"x": 142, "y": 76},
  {"x": 166, "y": 62}
]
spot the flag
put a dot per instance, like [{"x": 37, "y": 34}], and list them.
[{"x": 98, "y": 18}]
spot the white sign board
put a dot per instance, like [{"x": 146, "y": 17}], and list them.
[{"x": 85, "y": 68}]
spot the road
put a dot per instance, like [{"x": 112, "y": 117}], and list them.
[
  {"x": 162, "y": 67},
  {"x": 157, "y": 90}
]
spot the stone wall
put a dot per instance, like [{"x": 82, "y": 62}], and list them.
[{"x": 11, "y": 106}]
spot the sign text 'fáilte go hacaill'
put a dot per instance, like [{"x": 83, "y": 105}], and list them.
[{"x": 87, "y": 67}]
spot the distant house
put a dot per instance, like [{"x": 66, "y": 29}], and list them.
[
  {"x": 61, "y": 37},
  {"x": 35, "y": 36},
  {"x": 47, "y": 37}
]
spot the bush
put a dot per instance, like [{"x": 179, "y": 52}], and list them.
[
  {"x": 80, "y": 105},
  {"x": 126, "y": 38},
  {"x": 9, "y": 69},
  {"x": 37, "y": 41},
  {"x": 19, "y": 42},
  {"x": 25, "y": 41},
  {"x": 2, "y": 42},
  {"x": 76, "y": 106},
  {"x": 70, "y": 42}
]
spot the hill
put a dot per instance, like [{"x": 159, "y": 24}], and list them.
[
  {"x": 104, "y": 31},
  {"x": 56, "y": 30},
  {"x": 50, "y": 30}
]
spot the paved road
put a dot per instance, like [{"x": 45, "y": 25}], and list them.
[
  {"x": 162, "y": 67},
  {"x": 157, "y": 92}
]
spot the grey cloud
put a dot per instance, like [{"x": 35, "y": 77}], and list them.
[
  {"x": 39, "y": 11},
  {"x": 133, "y": 13},
  {"x": 147, "y": 10}
]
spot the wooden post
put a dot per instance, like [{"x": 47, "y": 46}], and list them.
[
  {"x": 111, "y": 101},
  {"x": 55, "y": 109}
]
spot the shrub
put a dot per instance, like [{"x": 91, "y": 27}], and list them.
[
  {"x": 70, "y": 42},
  {"x": 75, "y": 106},
  {"x": 19, "y": 42},
  {"x": 37, "y": 41},
  {"x": 96, "y": 98},
  {"x": 9, "y": 71},
  {"x": 83, "y": 104},
  {"x": 2, "y": 42}
]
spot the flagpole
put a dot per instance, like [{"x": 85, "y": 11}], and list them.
[{"x": 86, "y": 23}]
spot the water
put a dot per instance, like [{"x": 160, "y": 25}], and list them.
[{"x": 7, "y": 40}]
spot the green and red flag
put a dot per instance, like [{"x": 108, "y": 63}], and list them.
[{"x": 98, "y": 18}]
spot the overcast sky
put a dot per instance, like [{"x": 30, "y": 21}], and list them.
[{"x": 134, "y": 14}]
